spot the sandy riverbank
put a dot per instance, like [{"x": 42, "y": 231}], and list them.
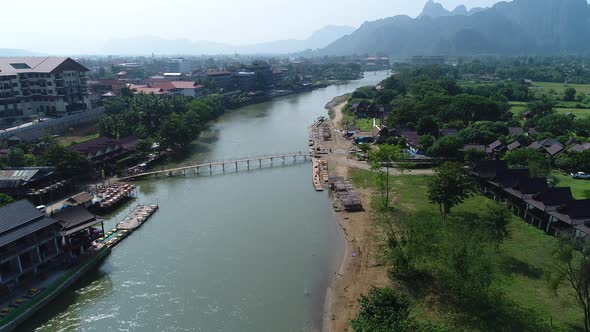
[{"x": 358, "y": 274}]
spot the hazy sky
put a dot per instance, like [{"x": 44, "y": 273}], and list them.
[{"x": 81, "y": 26}]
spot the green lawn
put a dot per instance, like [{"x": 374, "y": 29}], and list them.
[
  {"x": 560, "y": 87},
  {"x": 518, "y": 107},
  {"x": 580, "y": 188},
  {"x": 366, "y": 124},
  {"x": 526, "y": 252},
  {"x": 73, "y": 140},
  {"x": 579, "y": 113}
]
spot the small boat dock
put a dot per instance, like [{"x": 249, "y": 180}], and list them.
[
  {"x": 317, "y": 181},
  {"x": 138, "y": 217},
  {"x": 319, "y": 132}
]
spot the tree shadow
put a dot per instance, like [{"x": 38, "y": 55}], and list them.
[{"x": 516, "y": 266}]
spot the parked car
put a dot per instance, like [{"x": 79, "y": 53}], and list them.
[{"x": 580, "y": 175}]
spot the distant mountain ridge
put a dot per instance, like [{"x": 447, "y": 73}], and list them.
[
  {"x": 520, "y": 27},
  {"x": 152, "y": 44},
  {"x": 13, "y": 52}
]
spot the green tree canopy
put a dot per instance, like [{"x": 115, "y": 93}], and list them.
[{"x": 449, "y": 187}]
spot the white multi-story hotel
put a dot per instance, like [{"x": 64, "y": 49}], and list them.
[{"x": 41, "y": 86}]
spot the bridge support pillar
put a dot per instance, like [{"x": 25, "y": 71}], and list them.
[
  {"x": 248, "y": 162},
  {"x": 236, "y": 166},
  {"x": 223, "y": 167},
  {"x": 260, "y": 163},
  {"x": 210, "y": 170}
]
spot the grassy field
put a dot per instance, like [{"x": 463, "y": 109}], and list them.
[
  {"x": 560, "y": 87},
  {"x": 366, "y": 124},
  {"x": 73, "y": 140},
  {"x": 579, "y": 113},
  {"x": 580, "y": 188},
  {"x": 523, "y": 282},
  {"x": 518, "y": 107}
]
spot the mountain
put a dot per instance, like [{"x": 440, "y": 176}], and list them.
[
  {"x": 143, "y": 45},
  {"x": 433, "y": 9},
  {"x": 460, "y": 10},
  {"x": 520, "y": 27},
  {"x": 152, "y": 44},
  {"x": 17, "y": 52}
]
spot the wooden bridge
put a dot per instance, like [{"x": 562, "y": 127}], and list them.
[{"x": 197, "y": 167}]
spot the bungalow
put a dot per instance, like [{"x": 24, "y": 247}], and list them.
[
  {"x": 23, "y": 181},
  {"x": 489, "y": 169},
  {"x": 28, "y": 243},
  {"x": 83, "y": 198},
  {"x": 360, "y": 109},
  {"x": 551, "y": 200},
  {"x": 549, "y": 145},
  {"x": 380, "y": 134},
  {"x": 515, "y": 131},
  {"x": 146, "y": 89},
  {"x": 497, "y": 147},
  {"x": 552, "y": 209},
  {"x": 447, "y": 132},
  {"x": 412, "y": 138},
  {"x": 514, "y": 145},
  {"x": 104, "y": 150},
  {"x": 580, "y": 147},
  {"x": 77, "y": 231},
  {"x": 575, "y": 213},
  {"x": 476, "y": 147}
]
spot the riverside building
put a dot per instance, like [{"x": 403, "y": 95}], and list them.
[{"x": 34, "y": 87}]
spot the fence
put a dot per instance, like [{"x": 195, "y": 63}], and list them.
[{"x": 52, "y": 126}]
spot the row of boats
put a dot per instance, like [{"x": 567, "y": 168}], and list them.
[
  {"x": 138, "y": 217},
  {"x": 319, "y": 132}
]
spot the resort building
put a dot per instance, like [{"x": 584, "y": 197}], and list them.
[
  {"x": 28, "y": 243},
  {"x": 41, "y": 86},
  {"x": 178, "y": 65},
  {"x": 77, "y": 232}
]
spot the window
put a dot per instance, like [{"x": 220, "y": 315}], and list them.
[{"x": 20, "y": 66}]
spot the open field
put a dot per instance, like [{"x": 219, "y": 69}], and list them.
[
  {"x": 518, "y": 107},
  {"x": 560, "y": 87},
  {"x": 579, "y": 113},
  {"x": 366, "y": 124},
  {"x": 580, "y": 188},
  {"x": 78, "y": 135},
  {"x": 522, "y": 282}
]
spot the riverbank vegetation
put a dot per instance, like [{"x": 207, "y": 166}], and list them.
[
  {"x": 457, "y": 113},
  {"x": 479, "y": 268},
  {"x": 171, "y": 121}
]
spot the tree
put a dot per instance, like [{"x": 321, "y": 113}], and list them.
[
  {"x": 175, "y": 132},
  {"x": 474, "y": 155},
  {"x": 572, "y": 267},
  {"x": 16, "y": 157},
  {"x": 543, "y": 106},
  {"x": 449, "y": 187},
  {"x": 426, "y": 141},
  {"x": 5, "y": 199},
  {"x": 384, "y": 310},
  {"x": 539, "y": 164},
  {"x": 386, "y": 155},
  {"x": 427, "y": 125},
  {"x": 556, "y": 124},
  {"x": 68, "y": 162},
  {"x": 446, "y": 147},
  {"x": 494, "y": 220},
  {"x": 569, "y": 94}
]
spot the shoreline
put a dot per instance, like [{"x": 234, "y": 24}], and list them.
[{"x": 356, "y": 275}]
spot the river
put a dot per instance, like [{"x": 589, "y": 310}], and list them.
[{"x": 246, "y": 251}]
